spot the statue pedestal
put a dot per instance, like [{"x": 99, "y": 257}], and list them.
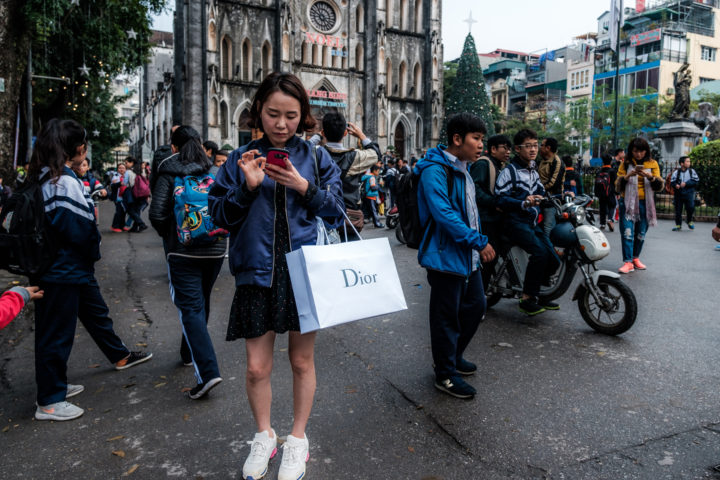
[{"x": 678, "y": 138}]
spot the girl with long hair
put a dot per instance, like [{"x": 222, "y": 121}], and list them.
[
  {"x": 638, "y": 178},
  {"x": 192, "y": 269},
  {"x": 71, "y": 290},
  {"x": 271, "y": 210}
]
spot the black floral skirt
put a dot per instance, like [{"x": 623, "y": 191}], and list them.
[{"x": 258, "y": 310}]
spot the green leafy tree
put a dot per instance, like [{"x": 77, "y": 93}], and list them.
[
  {"x": 468, "y": 92},
  {"x": 640, "y": 114},
  {"x": 706, "y": 162},
  {"x": 108, "y": 37}
]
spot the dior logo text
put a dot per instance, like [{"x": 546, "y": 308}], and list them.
[{"x": 353, "y": 278}]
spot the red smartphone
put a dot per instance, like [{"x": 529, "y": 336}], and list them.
[{"x": 277, "y": 157}]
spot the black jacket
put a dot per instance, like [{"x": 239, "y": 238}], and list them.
[
  {"x": 161, "y": 214},
  {"x": 163, "y": 152}
]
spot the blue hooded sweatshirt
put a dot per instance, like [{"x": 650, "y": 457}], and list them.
[{"x": 447, "y": 247}]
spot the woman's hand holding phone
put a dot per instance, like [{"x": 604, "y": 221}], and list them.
[
  {"x": 287, "y": 176},
  {"x": 253, "y": 168}
]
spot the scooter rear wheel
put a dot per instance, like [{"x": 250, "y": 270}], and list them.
[
  {"x": 620, "y": 309},
  {"x": 399, "y": 235}
]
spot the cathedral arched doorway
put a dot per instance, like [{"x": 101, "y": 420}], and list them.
[
  {"x": 244, "y": 130},
  {"x": 399, "y": 140}
]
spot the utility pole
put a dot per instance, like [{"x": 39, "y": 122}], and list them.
[
  {"x": 617, "y": 77},
  {"x": 179, "y": 60}
]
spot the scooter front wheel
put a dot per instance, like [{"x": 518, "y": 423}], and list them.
[{"x": 615, "y": 313}]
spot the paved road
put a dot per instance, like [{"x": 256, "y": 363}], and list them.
[{"x": 555, "y": 399}]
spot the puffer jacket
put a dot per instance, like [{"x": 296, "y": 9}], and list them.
[
  {"x": 162, "y": 217},
  {"x": 250, "y": 215}
]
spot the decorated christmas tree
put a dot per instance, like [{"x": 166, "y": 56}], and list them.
[{"x": 468, "y": 93}]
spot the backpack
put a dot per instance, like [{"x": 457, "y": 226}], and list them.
[
  {"x": 26, "y": 246},
  {"x": 141, "y": 189},
  {"x": 602, "y": 184},
  {"x": 407, "y": 202},
  {"x": 195, "y": 227}
]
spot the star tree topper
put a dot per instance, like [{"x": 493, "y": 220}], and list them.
[
  {"x": 84, "y": 70},
  {"x": 132, "y": 34}
]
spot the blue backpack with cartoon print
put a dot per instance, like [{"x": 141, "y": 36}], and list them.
[{"x": 194, "y": 225}]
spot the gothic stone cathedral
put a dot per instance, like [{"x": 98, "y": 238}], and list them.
[{"x": 379, "y": 62}]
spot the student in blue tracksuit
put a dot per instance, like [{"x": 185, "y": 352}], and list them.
[
  {"x": 71, "y": 290},
  {"x": 519, "y": 191},
  {"x": 684, "y": 180},
  {"x": 452, "y": 249}
]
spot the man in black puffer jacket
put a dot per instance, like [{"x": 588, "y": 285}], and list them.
[{"x": 192, "y": 269}]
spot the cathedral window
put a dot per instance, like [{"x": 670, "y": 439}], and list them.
[
  {"x": 246, "y": 69},
  {"x": 266, "y": 59},
  {"x": 359, "y": 58},
  {"x": 226, "y": 69},
  {"x": 418, "y": 16},
  {"x": 417, "y": 81}
]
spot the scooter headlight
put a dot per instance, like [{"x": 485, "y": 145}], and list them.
[{"x": 580, "y": 215}]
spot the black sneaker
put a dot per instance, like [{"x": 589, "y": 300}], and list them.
[
  {"x": 203, "y": 388},
  {"x": 530, "y": 307},
  {"x": 455, "y": 386},
  {"x": 133, "y": 359},
  {"x": 464, "y": 367},
  {"x": 548, "y": 305}
]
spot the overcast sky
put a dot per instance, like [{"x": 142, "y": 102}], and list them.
[{"x": 524, "y": 25}]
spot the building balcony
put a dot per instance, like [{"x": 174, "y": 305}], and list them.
[{"x": 666, "y": 55}]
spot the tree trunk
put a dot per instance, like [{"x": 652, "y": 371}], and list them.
[{"x": 14, "y": 44}]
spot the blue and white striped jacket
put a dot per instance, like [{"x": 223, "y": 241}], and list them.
[
  {"x": 514, "y": 184},
  {"x": 70, "y": 217}
]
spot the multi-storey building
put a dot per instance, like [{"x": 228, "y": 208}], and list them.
[
  {"x": 505, "y": 78},
  {"x": 655, "y": 43},
  {"x": 379, "y": 62}
]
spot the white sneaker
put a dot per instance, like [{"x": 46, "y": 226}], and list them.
[
  {"x": 262, "y": 450},
  {"x": 59, "y": 411},
  {"x": 73, "y": 390},
  {"x": 295, "y": 455}
]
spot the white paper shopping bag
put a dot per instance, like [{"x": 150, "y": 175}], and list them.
[{"x": 335, "y": 284}]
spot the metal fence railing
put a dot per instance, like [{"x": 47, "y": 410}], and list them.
[{"x": 706, "y": 209}]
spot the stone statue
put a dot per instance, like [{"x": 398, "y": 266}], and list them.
[
  {"x": 705, "y": 118},
  {"x": 681, "y": 109}
]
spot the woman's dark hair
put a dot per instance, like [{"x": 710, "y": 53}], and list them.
[
  {"x": 638, "y": 144},
  {"x": 288, "y": 84},
  {"x": 138, "y": 168},
  {"x": 56, "y": 143},
  {"x": 187, "y": 140}
]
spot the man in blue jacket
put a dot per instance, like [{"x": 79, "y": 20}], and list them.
[{"x": 452, "y": 249}]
